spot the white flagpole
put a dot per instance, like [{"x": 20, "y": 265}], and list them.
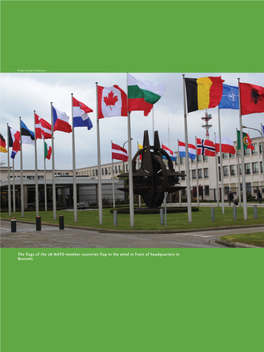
[
  {"x": 100, "y": 204},
  {"x": 187, "y": 155},
  {"x": 36, "y": 170},
  {"x": 242, "y": 158},
  {"x": 21, "y": 173},
  {"x": 14, "y": 188},
  {"x": 131, "y": 193},
  {"x": 221, "y": 166},
  {"x": 238, "y": 173},
  {"x": 113, "y": 186},
  {"x": 74, "y": 167},
  {"x": 8, "y": 165},
  {"x": 53, "y": 168},
  {"x": 179, "y": 167},
  {"x": 197, "y": 185},
  {"x": 216, "y": 176},
  {"x": 139, "y": 197},
  {"x": 45, "y": 182},
  {"x": 262, "y": 143}
]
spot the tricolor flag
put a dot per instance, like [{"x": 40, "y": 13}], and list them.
[
  {"x": 80, "y": 114},
  {"x": 170, "y": 152},
  {"x": 13, "y": 154},
  {"x": 140, "y": 147},
  {"x": 230, "y": 98},
  {"x": 2, "y": 144},
  {"x": 47, "y": 151},
  {"x": 227, "y": 145},
  {"x": 60, "y": 121},
  {"x": 205, "y": 147},
  {"x": 191, "y": 150},
  {"x": 119, "y": 153},
  {"x": 112, "y": 101},
  {"x": 203, "y": 93},
  {"x": 43, "y": 128},
  {"x": 252, "y": 98},
  {"x": 14, "y": 139},
  {"x": 27, "y": 136},
  {"x": 247, "y": 142},
  {"x": 143, "y": 94}
]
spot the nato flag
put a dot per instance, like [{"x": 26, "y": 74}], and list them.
[{"x": 230, "y": 98}]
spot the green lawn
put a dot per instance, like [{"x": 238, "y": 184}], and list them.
[
  {"x": 253, "y": 239},
  {"x": 200, "y": 219}
]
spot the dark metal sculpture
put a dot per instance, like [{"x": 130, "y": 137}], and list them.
[{"x": 153, "y": 178}]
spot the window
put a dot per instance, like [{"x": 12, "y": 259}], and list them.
[
  {"x": 176, "y": 161},
  {"x": 119, "y": 168},
  {"x": 116, "y": 169},
  {"x": 93, "y": 172},
  {"x": 232, "y": 170},
  {"x": 224, "y": 155},
  {"x": 106, "y": 171},
  {"x": 194, "y": 174},
  {"x": 260, "y": 148},
  {"x": 182, "y": 159},
  {"x": 206, "y": 190},
  {"x": 199, "y": 158},
  {"x": 248, "y": 187},
  {"x": 231, "y": 156},
  {"x": 255, "y": 168},
  {"x": 102, "y": 171},
  {"x": 206, "y": 173},
  {"x": 30, "y": 177},
  {"x": 200, "y": 173},
  {"x": 205, "y": 158},
  {"x": 225, "y": 169},
  {"x": 247, "y": 168},
  {"x": 96, "y": 172},
  {"x": 183, "y": 177},
  {"x": 261, "y": 167},
  {"x": 255, "y": 151},
  {"x": 246, "y": 152},
  {"x": 126, "y": 167},
  {"x": 41, "y": 177}
]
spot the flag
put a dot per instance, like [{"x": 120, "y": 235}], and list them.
[
  {"x": 47, "y": 151},
  {"x": 247, "y": 142},
  {"x": 140, "y": 147},
  {"x": 14, "y": 139},
  {"x": 203, "y": 93},
  {"x": 227, "y": 145},
  {"x": 2, "y": 144},
  {"x": 112, "y": 101},
  {"x": 45, "y": 129},
  {"x": 191, "y": 150},
  {"x": 13, "y": 154},
  {"x": 205, "y": 147},
  {"x": 252, "y": 98},
  {"x": 60, "y": 121},
  {"x": 119, "y": 153},
  {"x": 80, "y": 114},
  {"x": 230, "y": 98},
  {"x": 143, "y": 94},
  {"x": 27, "y": 136},
  {"x": 263, "y": 130},
  {"x": 170, "y": 152},
  {"x": 38, "y": 127}
]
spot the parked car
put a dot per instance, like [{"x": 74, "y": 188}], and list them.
[{"x": 82, "y": 205}]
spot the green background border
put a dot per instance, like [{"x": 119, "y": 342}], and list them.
[{"x": 205, "y": 299}]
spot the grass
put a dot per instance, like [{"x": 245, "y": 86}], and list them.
[
  {"x": 253, "y": 239},
  {"x": 200, "y": 219}
]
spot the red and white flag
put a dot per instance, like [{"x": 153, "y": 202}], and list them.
[
  {"x": 43, "y": 128},
  {"x": 205, "y": 147},
  {"x": 227, "y": 145},
  {"x": 112, "y": 101},
  {"x": 119, "y": 153}
]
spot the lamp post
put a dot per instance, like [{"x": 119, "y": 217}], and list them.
[
  {"x": 262, "y": 145},
  {"x": 124, "y": 170}
]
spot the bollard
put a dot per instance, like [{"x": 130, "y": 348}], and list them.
[
  {"x": 212, "y": 214},
  {"x": 255, "y": 212},
  {"x": 115, "y": 217},
  {"x": 61, "y": 222},
  {"x": 234, "y": 213},
  {"x": 13, "y": 224},
  {"x": 38, "y": 223},
  {"x": 161, "y": 216}
]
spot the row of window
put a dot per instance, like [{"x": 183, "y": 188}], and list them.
[
  {"x": 250, "y": 168},
  {"x": 117, "y": 169}
]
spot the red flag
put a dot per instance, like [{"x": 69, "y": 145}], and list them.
[
  {"x": 37, "y": 127},
  {"x": 227, "y": 145},
  {"x": 205, "y": 147},
  {"x": 119, "y": 153},
  {"x": 251, "y": 98}
]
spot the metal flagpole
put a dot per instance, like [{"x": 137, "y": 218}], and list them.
[
  {"x": 216, "y": 175},
  {"x": 8, "y": 165},
  {"x": 100, "y": 204},
  {"x": 187, "y": 155},
  {"x": 14, "y": 188},
  {"x": 74, "y": 167},
  {"x": 179, "y": 166},
  {"x": 221, "y": 167},
  {"x": 45, "y": 181},
  {"x": 262, "y": 143},
  {"x": 113, "y": 186},
  {"x": 242, "y": 159},
  {"x": 238, "y": 174},
  {"x": 36, "y": 169},
  {"x": 53, "y": 168},
  {"x": 197, "y": 186},
  {"x": 139, "y": 197},
  {"x": 21, "y": 173},
  {"x": 131, "y": 193}
]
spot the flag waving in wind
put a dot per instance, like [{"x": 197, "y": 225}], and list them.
[
  {"x": 119, "y": 153},
  {"x": 43, "y": 128},
  {"x": 170, "y": 152},
  {"x": 191, "y": 150},
  {"x": 14, "y": 139},
  {"x": 2, "y": 144},
  {"x": 27, "y": 136},
  {"x": 112, "y": 101},
  {"x": 227, "y": 145},
  {"x": 247, "y": 142},
  {"x": 60, "y": 121},
  {"x": 252, "y": 98},
  {"x": 205, "y": 147},
  {"x": 47, "y": 151},
  {"x": 80, "y": 114},
  {"x": 143, "y": 94},
  {"x": 230, "y": 98}
]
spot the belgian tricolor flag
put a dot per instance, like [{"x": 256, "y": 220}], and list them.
[
  {"x": 2, "y": 144},
  {"x": 203, "y": 93}
]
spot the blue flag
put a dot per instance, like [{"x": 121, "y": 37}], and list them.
[{"x": 230, "y": 98}]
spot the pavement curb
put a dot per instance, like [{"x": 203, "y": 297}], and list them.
[{"x": 235, "y": 244}]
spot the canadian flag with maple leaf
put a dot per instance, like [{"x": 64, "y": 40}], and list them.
[{"x": 112, "y": 101}]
